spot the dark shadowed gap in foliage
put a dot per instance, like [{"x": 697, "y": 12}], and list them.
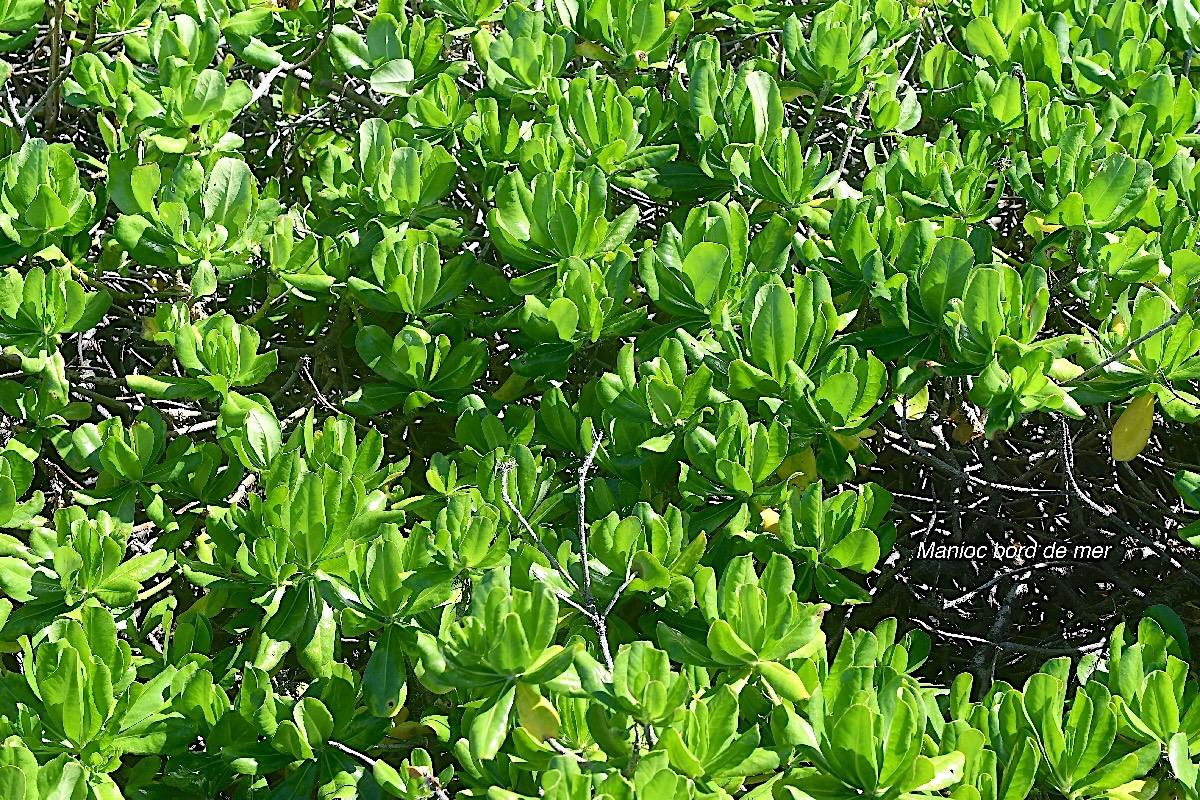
[{"x": 1075, "y": 557}]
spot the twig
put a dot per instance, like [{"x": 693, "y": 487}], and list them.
[
  {"x": 851, "y": 132},
  {"x": 507, "y": 466},
  {"x": 806, "y": 134},
  {"x": 983, "y": 587},
  {"x": 1153, "y": 545},
  {"x": 1015, "y": 647},
  {"x": 1068, "y": 460},
  {"x": 264, "y": 85},
  {"x": 24, "y": 121},
  {"x": 1019, "y": 72},
  {"x": 945, "y": 35},
  {"x": 120, "y": 406},
  {"x": 10, "y": 105},
  {"x": 431, "y": 782},
  {"x": 617, "y": 595},
  {"x": 243, "y": 488},
  {"x": 1174, "y": 318},
  {"x": 583, "y": 527},
  {"x": 588, "y": 606},
  {"x": 56, "y": 77},
  {"x": 919, "y": 452},
  {"x": 350, "y": 751}
]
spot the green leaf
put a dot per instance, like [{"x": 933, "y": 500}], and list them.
[
  {"x": 773, "y": 329},
  {"x": 393, "y": 78},
  {"x": 229, "y": 194},
  {"x": 945, "y": 277},
  {"x": 384, "y": 684},
  {"x": 489, "y": 729}
]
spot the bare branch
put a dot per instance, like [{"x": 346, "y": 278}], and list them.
[{"x": 507, "y": 466}]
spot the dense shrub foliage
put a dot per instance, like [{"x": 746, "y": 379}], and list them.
[{"x": 481, "y": 400}]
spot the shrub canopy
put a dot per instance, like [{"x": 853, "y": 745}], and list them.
[{"x": 489, "y": 401}]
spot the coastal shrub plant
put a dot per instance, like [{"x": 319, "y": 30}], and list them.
[{"x": 461, "y": 399}]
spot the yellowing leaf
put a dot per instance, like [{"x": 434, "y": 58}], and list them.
[
  {"x": 784, "y": 681},
  {"x": 536, "y": 713},
  {"x": 916, "y": 406},
  {"x": 1132, "y": 430},
  {"x": 770, "y": 520},
  {"x": 1063, "y": 370},
  {"x": 511, "y": 389},
  {"x": 799, "y": 469},
  {"x": 1135, "y": 790},
  {"x": 851, "y": 443},
  {"x": 593, "y": 51},
  {"x": 409, "y": 730}
]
